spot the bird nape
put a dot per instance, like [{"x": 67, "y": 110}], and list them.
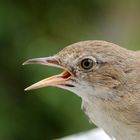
[{"x": 106, "y": 77}]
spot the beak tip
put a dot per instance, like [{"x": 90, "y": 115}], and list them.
[
  {"x": 27, "y": 89},
  {"x": 25, "y": 63}
]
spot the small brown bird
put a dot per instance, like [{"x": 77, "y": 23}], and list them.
[{"x": 107, "y": 78}]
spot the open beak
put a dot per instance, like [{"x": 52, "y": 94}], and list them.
[{"x": 56, "y": 80}]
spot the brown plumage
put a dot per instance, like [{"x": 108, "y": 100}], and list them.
[{"x": 107, "y": 78}]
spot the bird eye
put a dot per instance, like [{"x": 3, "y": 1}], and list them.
[{"x": 87, "y": 63}]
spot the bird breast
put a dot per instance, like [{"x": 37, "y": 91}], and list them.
[{"x": 107, "y": 119}]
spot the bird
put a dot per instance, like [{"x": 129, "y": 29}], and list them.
[{"x": 106, "y": 77}]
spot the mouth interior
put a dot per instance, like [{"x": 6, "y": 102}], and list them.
[{"x": 65, "y": 75}]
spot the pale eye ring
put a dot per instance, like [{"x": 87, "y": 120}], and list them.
[{"x": 87, "y": 63}]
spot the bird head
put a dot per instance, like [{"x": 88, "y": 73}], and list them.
[{"x": 91, "y": 68}]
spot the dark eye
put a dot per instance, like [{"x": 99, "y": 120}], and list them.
[{"x": 87, "y": 63}]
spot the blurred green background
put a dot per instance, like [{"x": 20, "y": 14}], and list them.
[{"x": 33, "y": 28}]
